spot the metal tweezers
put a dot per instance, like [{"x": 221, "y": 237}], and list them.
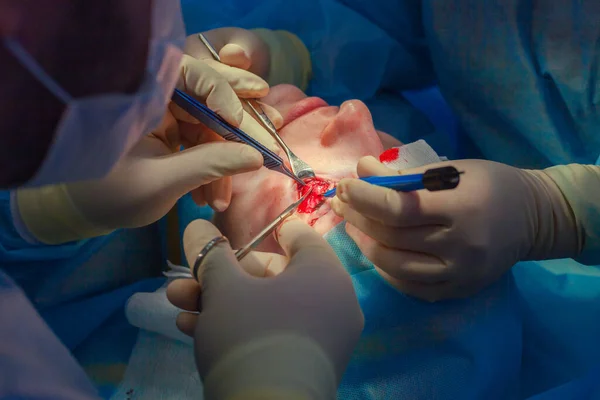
[
  {"x": 241, "y": 253},
  {"x": 229, "y": 132}
]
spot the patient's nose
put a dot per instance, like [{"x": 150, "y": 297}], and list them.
[{"x": 353, "y": 125}]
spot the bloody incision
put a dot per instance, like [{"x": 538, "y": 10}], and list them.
[{"x": 315, "y": 198}]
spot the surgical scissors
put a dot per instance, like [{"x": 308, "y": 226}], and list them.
[
  {"x": 300, "y": 168},
  {"x": 229, "y": 132},
  {"x": 241, "y": 253}
]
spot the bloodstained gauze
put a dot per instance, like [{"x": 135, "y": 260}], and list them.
[
  {"x": 389, "y": 155},
  {"x": 315, "y": 198}
]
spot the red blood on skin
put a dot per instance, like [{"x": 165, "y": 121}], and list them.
[
  {"x": 389, "y": 155},
  {"x": 315, "y": 198}
]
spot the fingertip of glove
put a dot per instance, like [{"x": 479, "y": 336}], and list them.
[
  {"x": 277, "y": 121},
  {"x": 286, "y": 224},
  {"x": 342, "y": 189},
  {"x": 254, "y": 86},
  {"x": 337, "y": 207},
  {"x": 371, "y": 166},
  {"x": 219, "y": 205},
  {"x": 234, "y": 55},
  {"x": 291, "y": 225}
]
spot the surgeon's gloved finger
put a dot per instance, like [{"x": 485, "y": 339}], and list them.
[
  {"x": 205, "y": 163},
  {"x": 198, "y": 196},
  {"x": 219, "y": 268},
  {"x": 234, "y": 55},
  {"x": 400, "y": 264},
  {"x": 255, "y": 51},
  {"x": 184, "y": 294},
  {"x": 245, "y": 84},
  {"x": 422, "y": 239},
  {"x": 186, "y": 323},
  {"x": 237, "y": 47},
  {"x": 200, "y": 80},
  {"x": 308, "y": 252},
  {"x": 218, "y": 194},
  {"x": 397, "y": 209},
  {"x": 263, "y": 265},
  {"x": 370, "y": 166}
]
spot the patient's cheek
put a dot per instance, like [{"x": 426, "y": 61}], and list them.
[{"x": 257, "y": 198}]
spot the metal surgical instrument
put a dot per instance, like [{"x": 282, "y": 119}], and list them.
[
  {"x": 229, "y": 132},
  {"x": 241, "y": 253},
  {"x": 435, "y": 179},
  {"x": 300, "y": 168}
]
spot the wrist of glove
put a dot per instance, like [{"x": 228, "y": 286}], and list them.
[
  {"x": 51, "y": 217},
  {"x": 557, "y": 232},
  {"x": 272, "y": 367}
]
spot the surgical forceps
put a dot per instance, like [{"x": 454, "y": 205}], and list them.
[
  {"x": 300, "y": 168},
  {"x": 241, "y": 253},
  {"x": 229, "y": 132},
  {"x": 444, "y": 178}
]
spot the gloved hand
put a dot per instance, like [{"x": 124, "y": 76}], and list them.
[
  {"x": 287, "y": 336},
  {"x": 448, "y": 244},
  {"x": 242, "y": 60},
  {"x": 242, "y": 63},
  {"x": 278, "y": 56},
  {"x": 147, "y": 182},
  {"x": 142, "y": 187}
]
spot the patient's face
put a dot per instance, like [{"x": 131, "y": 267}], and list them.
[{"x": 330, "y": 139}]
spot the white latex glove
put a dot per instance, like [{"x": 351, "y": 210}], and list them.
[
  {"x": 288, "y": 336},
  {"x": 244, "y": 58},
  {"x": 447, "y": 244},
  {"x": 147, "y": 182},
  {"x": 141, "y": 188}
]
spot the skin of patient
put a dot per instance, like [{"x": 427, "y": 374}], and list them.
[{"x": 330, "y": 139}]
